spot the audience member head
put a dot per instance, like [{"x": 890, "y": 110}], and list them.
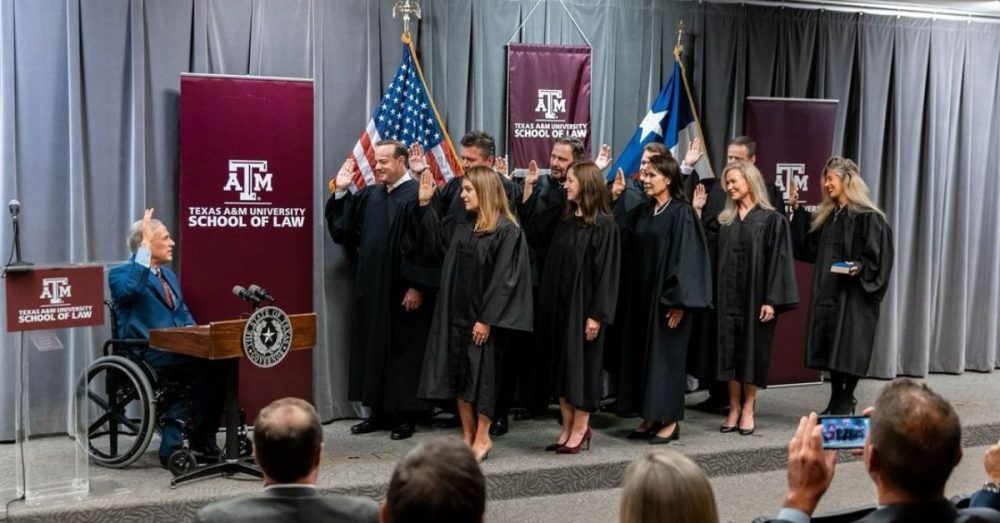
[
  {"x": 667, "y": 486},
  {"x": 649, "y": 150},
  {"x": 663, "y": 172},
  {"x": 586, "y": 192},
  {"x": 287, "y": 441},
  {"x": 914, "y": 442},
  {"x": 439, "y": 480},
  {"x": 741, "y": 180},
  {"x": 564, "y": 152},
  {"x": 483, "y": 194},
  {"x": 391, "y": 161},
  {"x": 843, "y": 185},
  {"x": 478, "y": 149},
  {"x": 743, "y": 149}
]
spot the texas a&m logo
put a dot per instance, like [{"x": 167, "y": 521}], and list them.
[
  {"x": 248, "y": 177},
  {"x": 55, "y": 289}
]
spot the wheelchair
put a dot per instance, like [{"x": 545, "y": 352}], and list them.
[{"x": 123, "y": 396}]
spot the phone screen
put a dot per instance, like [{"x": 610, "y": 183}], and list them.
[{"x": 844, "y": 432}]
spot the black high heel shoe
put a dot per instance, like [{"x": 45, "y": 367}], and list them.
[
  {"x": 726, "y": 429},
  {"x": 645, "y": 434},
  {"x": 675, "y": 435}
]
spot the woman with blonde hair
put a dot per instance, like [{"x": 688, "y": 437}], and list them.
[
  {"x": 577, "y": 298},
  {"x": 755, "y": 281},
  {"x": 851, "y": 244},
  {"x": 667, "y": 486},
  {"x": 484, "y": 294}
]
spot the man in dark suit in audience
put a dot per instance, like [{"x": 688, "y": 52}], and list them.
[
  {"x": 439, "y": 480},
  {"x": 287, "y": 443},
  {"x": 914, "y": 442}
]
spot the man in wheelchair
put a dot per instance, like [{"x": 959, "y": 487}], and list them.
[{"x": 147, "y": 295}]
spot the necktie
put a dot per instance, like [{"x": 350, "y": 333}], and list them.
[{"x": 166, "y": 289}]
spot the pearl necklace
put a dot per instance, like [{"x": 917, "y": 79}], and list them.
[{"x": 659, "y": 209}]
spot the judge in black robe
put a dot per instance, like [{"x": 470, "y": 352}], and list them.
[
  {"x": 478, "y": 149},
  {"x": 578, "y": 295},
  {"x": 844, "y": 308},
  {"x": 754, "y": 281},
  {"x": 670, "y": 278},
  {"x": 388, "y": 343},
  {"x": 485, "y": 294}
]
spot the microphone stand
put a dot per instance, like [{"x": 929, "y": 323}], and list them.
[{"x": 18, "y": 262}]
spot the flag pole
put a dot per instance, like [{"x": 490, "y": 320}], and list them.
[
  {"x": 678, "y": 51},
  {"x": 407, "y": 7}
]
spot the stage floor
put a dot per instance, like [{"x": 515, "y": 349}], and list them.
[{"x": 517, "y": 466}]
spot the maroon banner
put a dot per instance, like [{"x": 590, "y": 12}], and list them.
[
  {"x": 54, "y": 297},
  {"x": 246, "y": 210},
  {"x": 794, "y": 140},
  {"x": 548, "y": 97}
]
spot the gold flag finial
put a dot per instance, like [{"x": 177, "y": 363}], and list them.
[
  {"x": 406, "y": 8},
  {"x": 679, "y": 48}
]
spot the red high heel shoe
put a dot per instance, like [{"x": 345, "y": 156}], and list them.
[{"x": 566, "y": 449}]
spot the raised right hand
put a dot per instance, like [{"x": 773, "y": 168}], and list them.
[
  {"x": 147, "y": 227},
  {"x": 427, "y": 188},
  {"x": 618, "y": 186},
  {"x": 700, "y": 197},
  {"x": 346, "y": 175},
  {"x": 418, "y": 163},
  {"x": 532, "y": 176}
]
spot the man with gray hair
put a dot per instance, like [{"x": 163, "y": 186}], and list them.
[
  {"x": 288, "y": 443},
  {"x": 147, "y": 295}
]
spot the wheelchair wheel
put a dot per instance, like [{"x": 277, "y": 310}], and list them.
[{"x": 119, "y": 401}]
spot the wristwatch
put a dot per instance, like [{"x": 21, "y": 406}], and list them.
[{"x": 991, "y": 487}]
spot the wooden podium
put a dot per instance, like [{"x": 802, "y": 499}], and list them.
[{"x": 223, "y": 340}]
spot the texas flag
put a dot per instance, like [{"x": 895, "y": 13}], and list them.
[{"x": 670, "y": 121}]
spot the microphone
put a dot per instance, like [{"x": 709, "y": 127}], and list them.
[
  {"x": 240, "y": 292},
  {"x": 15, "y": 208},
  {"x": 261, "y": 293}
]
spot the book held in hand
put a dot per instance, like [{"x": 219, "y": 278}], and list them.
[{"x": 843, "y": 267}]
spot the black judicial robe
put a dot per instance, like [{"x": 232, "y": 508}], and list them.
[
  {"x": 580, "y": 281},
  {"x": 484, "y": 278},
  {"x": 668, "y": 268},
  {"x": 754, "y": 267},
  {"x": 388, "y": 343},
  {"x": 843, "y": 309}
]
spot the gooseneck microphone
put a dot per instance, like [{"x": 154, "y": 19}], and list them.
[
  {"x": 261, "y": 293},
  {"x": 15, "y": 208},
  {"x": 242, "y": 293}
]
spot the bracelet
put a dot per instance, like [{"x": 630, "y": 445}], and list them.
[{"x": 991, "y": 487}]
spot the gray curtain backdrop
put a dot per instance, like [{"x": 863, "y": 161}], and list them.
[{"x": 88, "y": 131}]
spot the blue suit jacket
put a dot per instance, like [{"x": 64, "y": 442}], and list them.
[{"x": 140, "y": 303}]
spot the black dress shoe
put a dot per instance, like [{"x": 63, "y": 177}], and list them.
[
  {"x": 207, "y": 454},
  {"x": 403, "y": 431},
  {"x": 675, "y": 435},
  {"x": 645, "y": 434},
  {"x": 367, "y": 426},
  {"x": 499, "y": 427}
]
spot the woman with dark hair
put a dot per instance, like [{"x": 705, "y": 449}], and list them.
[
  {"x": 844, "y": 307},
  {"x": 669, "y": 277},
  {"x": 755, "y": 281},
  {"x": 485, "y": 294},
  {"x": 577, "y": 298}
]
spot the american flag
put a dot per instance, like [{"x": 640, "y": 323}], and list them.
[{"x": 406, "y": 113}]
